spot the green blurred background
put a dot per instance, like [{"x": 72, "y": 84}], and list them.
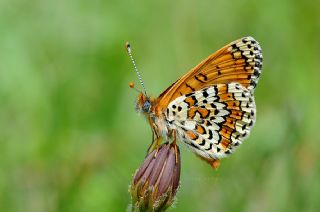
[{"x": 70, "y": 139}]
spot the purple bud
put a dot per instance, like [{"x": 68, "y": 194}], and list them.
[{"x": 156, "y": 182}]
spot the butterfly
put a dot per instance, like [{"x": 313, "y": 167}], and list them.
[{"x": 211, "y": 108}]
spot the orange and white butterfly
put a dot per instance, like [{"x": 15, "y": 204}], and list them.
[{"x": 211, "y": 108}]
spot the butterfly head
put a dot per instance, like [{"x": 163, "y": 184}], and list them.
[{"x": 144, "y": 104}]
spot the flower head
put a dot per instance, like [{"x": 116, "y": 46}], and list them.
[{"x": 156, "y": 182}]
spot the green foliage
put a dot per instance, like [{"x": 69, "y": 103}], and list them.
[{"x": 70, "y": 139}]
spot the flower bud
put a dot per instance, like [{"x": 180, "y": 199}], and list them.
[{"x": 156, "y": 182}]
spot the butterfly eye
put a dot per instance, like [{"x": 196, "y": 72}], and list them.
[{"x": 146, "y": 106}]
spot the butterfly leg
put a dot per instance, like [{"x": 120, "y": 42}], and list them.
[
  {"x": 156, "y": 140},
  {"x": 175, "y": 144},
  {"x": 173, "y": 135}
]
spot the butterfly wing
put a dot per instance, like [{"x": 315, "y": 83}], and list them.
[
  {"x": 240, "y": 61},
  {"x": 213, "y": 121}
]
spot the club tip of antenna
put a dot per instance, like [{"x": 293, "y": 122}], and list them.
[
  {"x": 128, "y": 46},
  {"x": 131, "y": 84}
]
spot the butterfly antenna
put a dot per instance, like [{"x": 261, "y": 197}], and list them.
[{"x": 128, "y": 47}]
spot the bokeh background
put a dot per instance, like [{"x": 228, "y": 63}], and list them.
[{"x": 70, "y": 139}]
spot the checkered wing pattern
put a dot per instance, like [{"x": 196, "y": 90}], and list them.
[
  {"x": 215, "y": 120},
  {"x": 212, "y": 107}
]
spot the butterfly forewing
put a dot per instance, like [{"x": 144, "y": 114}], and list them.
[{"x": 239, "y": 61}]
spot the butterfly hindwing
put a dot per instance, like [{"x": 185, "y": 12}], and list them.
[{"x": 213, "y": 121}]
